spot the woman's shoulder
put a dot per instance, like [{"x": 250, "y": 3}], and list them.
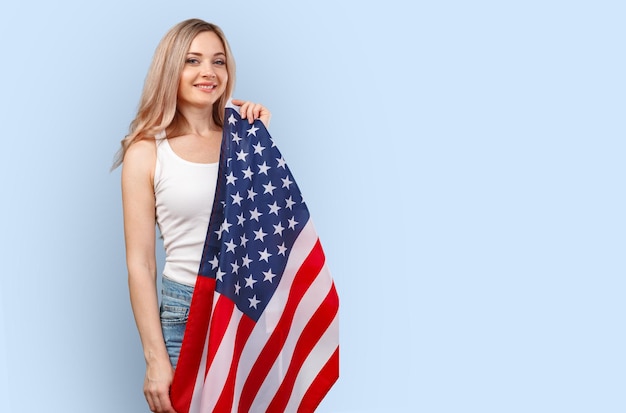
[
  {"x": 141, "y": 155},
  {"x": 141, "y": 149}
]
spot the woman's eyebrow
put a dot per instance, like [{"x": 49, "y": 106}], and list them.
[{"x": 200, "y": 54}]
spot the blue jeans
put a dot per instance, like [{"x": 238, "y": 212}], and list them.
[{"x": 175, "y": 303}]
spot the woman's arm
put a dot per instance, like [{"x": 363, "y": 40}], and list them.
[{"x": 139, "y": 232}]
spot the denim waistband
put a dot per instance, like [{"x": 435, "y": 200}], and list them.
[{"x": 176, "y": 290}]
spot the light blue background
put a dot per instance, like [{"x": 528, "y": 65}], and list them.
[{"x": 463, "y": 163}]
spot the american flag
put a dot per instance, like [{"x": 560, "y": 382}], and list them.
[{"x": 262, "y": 334}]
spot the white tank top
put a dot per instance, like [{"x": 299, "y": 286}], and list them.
[{"x": 184, "y": 193}]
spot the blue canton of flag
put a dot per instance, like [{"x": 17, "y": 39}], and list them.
[{"x": 257, "y": 215}]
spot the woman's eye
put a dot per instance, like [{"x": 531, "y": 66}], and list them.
[
  {"x": 192, "y": 60},
  {"x": 220, "y": 62}
]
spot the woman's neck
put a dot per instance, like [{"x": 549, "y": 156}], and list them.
[{"x": 199, "y": 121}]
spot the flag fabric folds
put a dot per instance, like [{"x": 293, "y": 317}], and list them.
[{"x": 262, "y": 333}]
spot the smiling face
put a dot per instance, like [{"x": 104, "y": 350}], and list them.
[{"x": 204, "y": 76}]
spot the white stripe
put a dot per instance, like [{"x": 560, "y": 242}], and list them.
[
  {"x": 218, "y": 372},
  {"x": 319, "y": 356},
  {"x": 197, "y": 389},
  {"x": 311, "y": 301},
  {"x": 196, "y": 398},
  {"x": 268, "y": 320}
]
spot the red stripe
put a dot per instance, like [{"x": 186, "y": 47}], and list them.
[
  {"x": 193, "y": 343},
  {"x": 221, "y": 318},
  {"x": 321, "y": 385},
  {"x": 244, "y": 329},
  {"x": 311, "y": 334},
  {"x": 306, "y": 274}
]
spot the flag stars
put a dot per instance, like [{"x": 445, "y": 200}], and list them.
[
  {"x": 244, "y": 240},
  {"x": 282, "y": 250},
  {"x": 235, "y": 267},
  {"x": 230, "y": 246},
  {"x": 264, "y": 255},
  {"x": 241, "y": 155},
  {"x": 274, "y": 208},
  {"x": 223, "y": 228},
  {"x": 251, "y": 194},
  {"x": 256, "y": 238},
  {"x": 247, "y": 174},
  {"x": 252, "y": 130},
  {"x": 237, "y": 199},
  {"x": 292, "y": 223},
  {"x": 253, "y": 301},
  {"x": 286, "y": 182},
  {"x": 246, "y": 261},
  {"x": 259, "y": 234},
  {"x": 258, "y": 148},
  {"x": 290, "y": 203},
  {"x": 269, "y": 188},
  {"x": 230, "y": 178},
  {"x": 240, "y": 219},
  {"x": 255, "y": 214},
  {"x": 278, "y": 229},
  {"x": 269, "y": 275},
  {"x": 250, "y": 281},
  {"x": 264, "y": 168}
]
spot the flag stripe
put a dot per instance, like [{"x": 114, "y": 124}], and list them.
[
  {"x": 311, "y": 334},
  {"x": 220, "y": 367},
  {"x": 308, "y": 271},
  {"x": 272, "y": 315},
  {"x": 322, "y": 352},
  {"x": 321, "y": 385},
  {"x": 192, "y": 346},
  {"x": 219, "y": 324},
  {"x": 309, "y": 303},
  {"x": 225, "y": 402},
  {"x": 319, "y": 289},
  {"x": 199, "y": 384}
]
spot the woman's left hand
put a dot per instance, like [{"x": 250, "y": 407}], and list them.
[{"x": 253, "y": 111}]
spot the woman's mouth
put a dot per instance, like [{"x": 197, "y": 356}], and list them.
[{"x": 206, "y": 87}]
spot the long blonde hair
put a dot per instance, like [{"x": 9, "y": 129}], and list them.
[{"x": 157, "y": 108}]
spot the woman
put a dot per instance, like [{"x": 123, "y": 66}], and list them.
[{"x": 170, "y": 159}]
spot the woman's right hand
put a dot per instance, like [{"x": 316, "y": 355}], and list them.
[
  {"x": 156, "y": 386},
  {"x": 252, "y": 111}
]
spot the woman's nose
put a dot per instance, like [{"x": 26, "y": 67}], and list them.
[{"x": 207, "y": 71}]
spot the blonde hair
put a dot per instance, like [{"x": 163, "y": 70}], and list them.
[{"x": 157, "y": 108}]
